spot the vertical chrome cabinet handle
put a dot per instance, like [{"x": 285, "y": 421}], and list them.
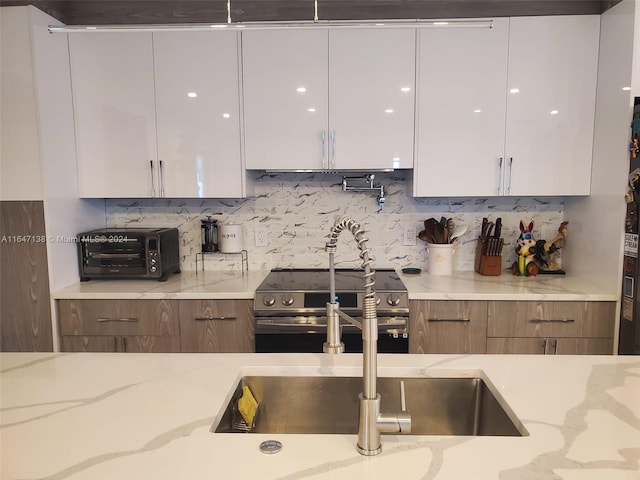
[
  {"x": 161, "y": 181},
  {"x": 323, "y": 141},
  {"x": 510, "y": 174},
  {"x": 333, "y": 148},
  {"x": 403, "y": 401},
  {"x": 545, "y": 345},
  {"x": 124, "y": 344},
  {"x": 500, "y": 175},
  {"x": 153, "y": 180},
  {"x": 555, "y": 346}
]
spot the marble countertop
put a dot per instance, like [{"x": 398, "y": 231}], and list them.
[
  {"x": 213, "y": 285},
  {"x": 132, "y": 416},
  {"x": 473, "y": 286},
  {"x": 225, "y": 284}
]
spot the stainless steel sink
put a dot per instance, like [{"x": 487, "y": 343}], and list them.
[{"x": 329, "y": 405}]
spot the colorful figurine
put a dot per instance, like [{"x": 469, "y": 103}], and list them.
[
  {"x": 546, "y": 252},
  {"x": 526, "y": 249}
]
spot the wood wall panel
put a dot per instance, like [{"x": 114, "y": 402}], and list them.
[{"x": 25, "y": 309}]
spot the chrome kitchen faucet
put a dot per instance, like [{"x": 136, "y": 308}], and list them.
[{"x": 372, "y": 422}]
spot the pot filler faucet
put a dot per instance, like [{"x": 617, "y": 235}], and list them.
[{"x": 371, "y": 422}]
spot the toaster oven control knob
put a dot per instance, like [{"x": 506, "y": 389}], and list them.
[
  {"x": 268, "y": 300},
  {"x": 393, "y": 300},
  {"x": 287, "y": 300},
  {"x": 153, "y": 261},
  {"x": 153, "y": 269}
]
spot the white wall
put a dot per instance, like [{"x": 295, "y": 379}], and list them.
[{"x": 597, "y": 221}]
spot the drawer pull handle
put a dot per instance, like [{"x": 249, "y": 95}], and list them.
[
  {"x": 448, "y": 320},
  {"x": 560, "y": 320},
  {"x": 207, "y": 319},
  {"x": 130, "y": 320}
]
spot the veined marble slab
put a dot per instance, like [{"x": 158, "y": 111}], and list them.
[
  {"x": 132, "y": 416},
  {"x": 214, "y": 284},
  {"x": 226, "y": 284},
  {"x": 472, "y": 286}
]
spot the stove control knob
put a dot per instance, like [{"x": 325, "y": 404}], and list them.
[
  {"x": 268, "y": 300},
  {"x": 287, "y": 300},
  {"x": 393, "y": 300}
]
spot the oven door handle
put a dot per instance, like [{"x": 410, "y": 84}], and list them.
[{"x": 294, "y": 325}]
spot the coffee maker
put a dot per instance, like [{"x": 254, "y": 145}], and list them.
[{"x": 209, "y": 229}]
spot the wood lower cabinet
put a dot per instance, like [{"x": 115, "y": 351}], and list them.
[
  {"x": 218, "y": 326},
  {"x": 447, "y": 326},
  {"x": 569, "y": 328},
  {"x": 551, "y": 346},
  {"x": 119, "y": 325}
]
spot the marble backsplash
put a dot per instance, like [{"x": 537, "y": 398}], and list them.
[{"x": 298, "y": 209}]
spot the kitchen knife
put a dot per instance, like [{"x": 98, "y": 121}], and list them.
[{"x": 498, "y": 231}]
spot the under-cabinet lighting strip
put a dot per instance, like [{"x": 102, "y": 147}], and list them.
[{"x": 416, "y": 23}]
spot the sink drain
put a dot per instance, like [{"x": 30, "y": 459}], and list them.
[{"x": 270, "y": 446}]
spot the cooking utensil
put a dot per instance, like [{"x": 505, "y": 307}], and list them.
[
  {"x": 458, "y": 232},
  {"x": 425, "y": 236}
]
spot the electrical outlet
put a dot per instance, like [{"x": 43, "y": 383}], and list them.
[
  {"x": 261, "y": 237},
  {"x": 409, "y": 235}
]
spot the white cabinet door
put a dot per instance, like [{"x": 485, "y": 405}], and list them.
[
  {"x": 550, "y": 120},
  {"x": 114, "y": 107},
  {"x": 198, "y": 114},
  {"x": 461, "y": 110},
  {"x": 285, "y": 81},
  {"x": 371, "y": 98}
]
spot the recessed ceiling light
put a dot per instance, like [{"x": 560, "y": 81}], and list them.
[
  {"x": 311, "y": 109},
  {"x": 553, "y": 112},
  {"x": 389, "y": 110},
  {"x": 514, "y": 90},
  {"x": 192, "y": 94},
  {"x": 626, "y": 89},
  {"x": 477, "y": 110},
  {"x": 405, "y": 89},
  {"x": 301, "y": 89},
  {"x": 226, "y": 115}
]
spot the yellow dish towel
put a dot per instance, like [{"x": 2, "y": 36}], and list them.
[{"x": 247, "y": 406}]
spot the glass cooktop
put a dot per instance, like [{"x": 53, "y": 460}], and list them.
[{"x": 317, "y": 279}]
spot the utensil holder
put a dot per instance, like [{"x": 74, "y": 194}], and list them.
[{"x": 488, "y": 264}]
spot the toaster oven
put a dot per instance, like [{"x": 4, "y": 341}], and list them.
[{"x": 145, "y": 253}]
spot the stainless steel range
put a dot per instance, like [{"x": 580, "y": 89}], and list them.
[{"x": 290, "y": 310}]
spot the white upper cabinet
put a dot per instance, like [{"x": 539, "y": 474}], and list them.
[
  {"x": 461, "y": 110},
  {"x": 198, "y": 114},
  {"x": 507, "y": 110},
  {"x": 553, "y": 66},
  {"x": 114, "y": 108},
  {"x": 324, "y": 100},
  {"x": 157, "y": 115},
  {"x": 286, "y": 107},
  {"x": 371, "y": 98}
]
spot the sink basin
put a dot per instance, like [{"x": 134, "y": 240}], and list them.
[{"x": 329, "y": 405}]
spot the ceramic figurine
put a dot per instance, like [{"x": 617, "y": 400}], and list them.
[
  {"x": 525, "y": 248},
  {"x": 546, "y": 252}
]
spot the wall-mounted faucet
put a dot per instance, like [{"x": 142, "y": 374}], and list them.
[
  {"x": 367, "y": 179},
  {"x": 371, "y": 422}
]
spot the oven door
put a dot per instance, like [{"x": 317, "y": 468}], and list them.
[{"x": 307, "y": 335}]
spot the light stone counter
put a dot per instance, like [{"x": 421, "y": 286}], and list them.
[
  {"x": 213, "y": 285},
  {"x": 134, "y": 416},
  {"x": 226, "y": 284},
  {"x": 472, "y": 286}
]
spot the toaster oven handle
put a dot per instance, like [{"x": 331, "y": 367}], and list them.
[
  {"x": 124, "y": 319},
  {"x": 115, "y": 255}
]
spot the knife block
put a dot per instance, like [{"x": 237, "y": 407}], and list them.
[{"x": 487, "y": 264}]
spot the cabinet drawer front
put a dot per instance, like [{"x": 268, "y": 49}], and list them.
[
  {"x": 118, "y": 317},
  {"x": 447, "y": 327},
  {"x": 216, "y": 326},
  {"x": 115, "y": 343},
  {"x": 551, "y": 319},
  {"x": 551, "y": 346}
]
